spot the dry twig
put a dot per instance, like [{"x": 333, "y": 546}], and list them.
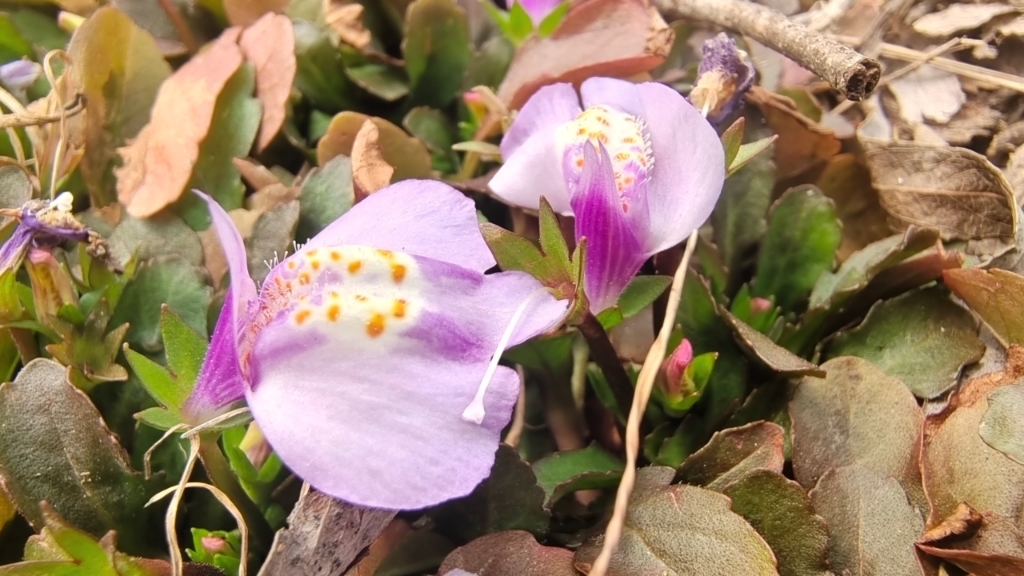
[{"x": 853, "y": 75}]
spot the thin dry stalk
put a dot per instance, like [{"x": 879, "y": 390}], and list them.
[
  {"x": 644, "y": 386},
  {"x": 515, "y": 431}
]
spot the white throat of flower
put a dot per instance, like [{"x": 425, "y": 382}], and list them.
[{"x": 475, "y": 411}]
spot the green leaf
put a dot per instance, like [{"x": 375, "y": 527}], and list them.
[
  {"x": 663, "y": 523},
  {"x": 236, "y": 120},
  {"x": 550, "y": 22},
  {"x": 159, "y": 235},
  {"x": 432, "y": 127},
  {"x": 782, "y": 514},
  {"x": 552, "y": 242},
  {"x": 641, "y": 292},
  {"x": 12, "y": 45},
  {"x": 732, "y": 139},
  {"x": 1002, "y": 427},
  {"x": 166, "y": 280},
  {"x": 733, "y": 453},
  {"x": 160, "y": 384},
  {"x": 383, "y": 81},
  {"x": 519, "y": 25},
  {"x": 513, "y": 252},
  {"x": 768, "y": 353},
  {"x": 571, "y": 470},
  {"x": 799, "y": 246},
  {"x": 509, "y": 499},
  {"x": 489, "y": 64},
  {"x": 749, "y": 151},
  {"x": 119, "y": 68},
  {"x": 184, "y": 346},
  {"x": 55, "y": 447},
  {"x": 320, "y": 70},
  {"x": 159, "y": 418},
  {"x": 437, "y": 51},
  {"x": 326, "y": 194},
  {"x": 921, "y": 337},
  {"x": 740, "y": 217}
]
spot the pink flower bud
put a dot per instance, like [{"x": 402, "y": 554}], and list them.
[
  {"x": 215, "y": 545},
  {"x": 675, "y": 366},
  {"x": 759, "y": 305}
]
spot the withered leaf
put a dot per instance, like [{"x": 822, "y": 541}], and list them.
[
  {"x": 245, "y": 12},
  {"x": 409, "y": 156},
  {"x": 847, "y": 182},
  {"x": 856, "y": 415},
  {"x": 158, "y": 163},
  {"x": 802, "y": 142},
  {"x": 991, "y": 545},
  {"x": 370, "y": 170},
  {"x": 270, "y": 45},
  {"x": 955, "y": 190},
  {"x": 872, "y": 525},
  {"x": 995, "y": 295},
  {"x": 616, "y": 38},
  {"x": 323, "y": 536},
  {"x": 733, "y": 453},
  {"x": 346, "y": 19},
  {"x": 509, "y": 553},
  {"x": 119, "y": 68}
]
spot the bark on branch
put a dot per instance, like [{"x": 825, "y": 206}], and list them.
[{"x": 852, "y": 74}]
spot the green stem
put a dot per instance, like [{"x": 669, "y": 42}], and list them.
[
  {"x": 220, "y": 474},
  {"x": 603, "y": 353}
]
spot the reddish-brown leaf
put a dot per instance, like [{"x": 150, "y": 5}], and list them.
[
  {"x": 509, "y": 553},
  {"x": 802, "y": 142},
  {"x": 270, "y": 45}
]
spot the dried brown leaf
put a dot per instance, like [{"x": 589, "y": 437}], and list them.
[
  {"x": 618, "y": 38},
  {"x": 802, "y": 142},
  {"x": 158, "y": 163},
  {"x": 323, "y": 536},
  {"x": 245, "y": 12},
  {"x": 408, "y": 155},
  {"x": 270, "y": 45},
  {"x": 954, "y": 190},
  {"x": 991, "y": 545},
  {"x": 346, "y": 19},
  {"x": 959, "y": 18},
  {"x": 509, "y": 553},
  {"x": 847, "y": 182},
  {"x": 256, "y": 175},
  {"x": 962, "y": 523},
  {"x": 370, "y": 170},
  {"x": 995, "y": 295}
]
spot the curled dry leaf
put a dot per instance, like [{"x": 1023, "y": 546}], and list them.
[
  {"x": 955, "y": 190},
  {"x": 409, "y": 156},
  {"x": 959, "y": 18},
  {"x": 733, "y": 453},
  {"x": 872, "y": 525},
  {"x": 997, "y": 296},
  {"x": 245, "y": 12},
  {"x": 856, "y": 415},
  {"x": 928, "y": 93},
  {"x": 956, "y": 463},
  {"x": 270, "y": 45},
  {"x": 617, "y": 38},
  {"x": 509, "y": 553},
  {"x": 370, "y": 171},
  {"x": 323, "y": 536},
  {"x": 158, "y": 163},
  {"x": 664, "y": 521},
  {"x": 979, "y": 543},
  {"x": 802, "y": 142},
  {"x": 346, "y": 19}
]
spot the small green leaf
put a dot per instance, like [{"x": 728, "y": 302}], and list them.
[
  {"x": 520, "y": 25},
  {"x": 437, "y": 51},
  {"x": 740, "y": 218},
  {"x": 641, "y": 292},
  {"x": 748, "y": 152},
  {"x": 732, "y": 139},
  {"x": 800, "y": 245},
  {"x": 326, "y": 194},
  {"x": 159, "y": 418},
  {"x": 158, "y": 382},
  {"x": 184, "y": 346},
  {"x": 733, "y": 453},
  {"x": 383, "y": 81},
  {"x": 550, "y": 22},
  {"x": 552, "y": 242},
  {"x": 513, "y": 252},
  {"x": 320, "y": 71},
  {"x": 571, "y": 470}
]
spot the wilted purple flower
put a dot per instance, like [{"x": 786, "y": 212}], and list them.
[
  {"x": 638, "y": 167},
  {"x": 365, "y": 355},
  {"x": 41, "y": 224},
  {"x": 17, "y": 76},
  {"x": 723, "y": 77}
]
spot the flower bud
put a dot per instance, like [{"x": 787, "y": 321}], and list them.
[
  {"x": 215, "y": 545},
  {"x": 51, "y": 285},
  {"x": 255, "y": 446},
  {"x": 759, "y": 305},
  {"x": 674, "y": 368}
]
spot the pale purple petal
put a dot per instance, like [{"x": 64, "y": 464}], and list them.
[
  {"x": 533, "y": 171},
  {"x": 619, "y": 94},
  {"x": 220, "y": 382},
  {"x": 549, "y": 107},
  {"x": 14, "y": 248},
  {"x": 539, "y": 9},
  {"x": 420, "y": 217},
  {"x": 375, "y": 417},
  {"x": 689, "y": 167},
  {"x": 614, "y": 254},
  {"x": 242, "y": 288}
]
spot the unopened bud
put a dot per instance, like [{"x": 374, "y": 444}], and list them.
[
  {"x": 215, "y": 545},
  {"x": 722, "y": 78},
  {"x": 255, "y": 446},
  {"x": 674, "y": 367},
  {"x": 759, "y": 305}
]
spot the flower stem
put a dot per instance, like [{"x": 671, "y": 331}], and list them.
[
  {"x": 220, "y": 474},
  {"x": 603, "y": 353}
]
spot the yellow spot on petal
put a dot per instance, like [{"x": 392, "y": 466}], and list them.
[
  {"x": 398, "y": 272},
  {"x": 311, "y": 253},
  {"x": 304, "y": 278},
  {"x": 291, "y": 264},
  {"x": 360, "y": 298},
  {"x": 315, "y": 264},
  {"x": 335, "y": 256},
  {"x": 375, "y": 326},
  {"x": 384, "y": 253},
  {"x": 354, "y": 266},
  {"x": 399, "y": 309},
  {"x": 301, "y": 316},
  {"x": 333, "y": 313},
  {"x": 579, "y": 162}
]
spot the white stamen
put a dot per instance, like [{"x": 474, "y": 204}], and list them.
[
  {"x": 475, "y": 411},
  {"x": 707, "y": 108},
  {"x": 63, "y": 202}
]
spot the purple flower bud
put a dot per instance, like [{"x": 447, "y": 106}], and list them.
[
  {"x": 19, "y": 75},
  {"x": 722, "y": 78},
  {"x": 674, "y": 367}
]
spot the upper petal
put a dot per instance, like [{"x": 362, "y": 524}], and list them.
[
  {"x": 619, "y": 94},
  {"x": 549, "y": 107},
  {"x": 242, "y": 286},
  {"x": 533, "y": 171},
  {"x": 360, "y": 388},
  {"x": 614, "y": 254},
  {"x": 422, "y": 217},
  {"x": 689, "y": 167}
]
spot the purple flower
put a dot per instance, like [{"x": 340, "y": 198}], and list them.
[
  {"x": 723, "y": 77},
  {"x": 365, "y": 356},
  {"x": 41, "y": 224},
  {"x": 17, "y": 76},
  {"x": 638, "y": 167}
]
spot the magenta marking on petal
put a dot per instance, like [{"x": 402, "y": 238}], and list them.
[
  {"x": 614, "y": 254},
  {"x": 220, "y": 382}
]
